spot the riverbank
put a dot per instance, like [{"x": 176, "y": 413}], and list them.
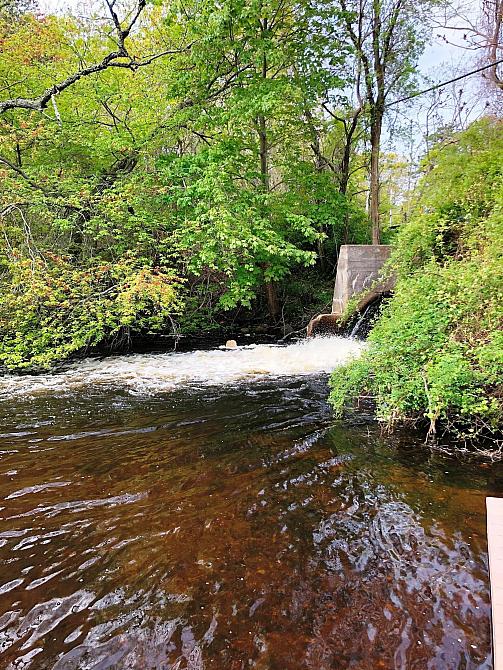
[{"x": 435, "y": 353}]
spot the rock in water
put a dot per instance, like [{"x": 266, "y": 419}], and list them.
[{"x": 231, "y": 344}]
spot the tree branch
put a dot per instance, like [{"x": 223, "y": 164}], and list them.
[
  {"x": 23, "y": 174},
  {"x": 118, "y": 58}
]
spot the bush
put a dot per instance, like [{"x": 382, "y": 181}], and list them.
[
  {"x": 436, "y": 352},
  {"x": 50, "y": 309}
]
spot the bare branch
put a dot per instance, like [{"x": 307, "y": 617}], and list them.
[
  {"x": 117, "y": 58},
  {"x": 23, "y": 174}
]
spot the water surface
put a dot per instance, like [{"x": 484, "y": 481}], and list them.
[{"x": 227, "y": 522}]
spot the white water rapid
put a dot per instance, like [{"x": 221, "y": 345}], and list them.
[{"x": 150, "y": 373}]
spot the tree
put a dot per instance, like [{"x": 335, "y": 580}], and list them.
[
  {"x": 387, "y": 38},
  {"x": 13, "y": 9},
  {"x": 190, "y": 185},
  {"x": 492, "y": 20},
  {"x": 480, "y": 30},
  {"x": 117, "y": 33},
  {"x": 258, "y": 75}
]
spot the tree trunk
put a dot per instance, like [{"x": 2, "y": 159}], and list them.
[
  {"x": 263, "y": 151},
  {"x": 345, "y": 165},
  {"x": 272, "y": 300},
  {"x": 320, "y": 164},
  {"x": 375, "y": 146},
  {"x": 321, "y": 255},
  {"x": 270, "y": 287}
]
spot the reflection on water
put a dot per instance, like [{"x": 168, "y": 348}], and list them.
[{"x": 233, "y": 527}]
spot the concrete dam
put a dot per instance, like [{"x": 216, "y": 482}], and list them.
[{"x": 359, "y": 271}]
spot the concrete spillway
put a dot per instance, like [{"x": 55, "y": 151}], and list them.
[{"x": 359, "y": 270}]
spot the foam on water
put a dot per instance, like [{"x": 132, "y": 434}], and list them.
[{"x": 146, "y": 373}]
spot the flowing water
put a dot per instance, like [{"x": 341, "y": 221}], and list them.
[{"x": 204, "y": 510}]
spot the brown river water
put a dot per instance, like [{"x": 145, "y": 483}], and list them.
[{"x": 205, "y": 511}]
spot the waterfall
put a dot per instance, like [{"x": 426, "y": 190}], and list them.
[{"x": 146, "y": 373}]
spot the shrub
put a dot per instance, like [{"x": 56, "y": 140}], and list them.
[
  {"x": 50, "y": 309},
  {"x": 436, "y": 352}
]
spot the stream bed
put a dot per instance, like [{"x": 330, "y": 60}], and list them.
[{"x": 205, "y": 511}]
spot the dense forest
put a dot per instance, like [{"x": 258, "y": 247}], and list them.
[{"x": 188, "y": 167}]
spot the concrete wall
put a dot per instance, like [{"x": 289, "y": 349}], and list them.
[{"x": 357, "y": 269}]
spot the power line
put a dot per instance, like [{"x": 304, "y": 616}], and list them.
[{"x": 445, "y": 83}]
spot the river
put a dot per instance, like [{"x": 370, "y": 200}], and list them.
[{"x": 204, "y": 510}]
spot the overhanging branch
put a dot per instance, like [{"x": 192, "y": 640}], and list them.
[{"x": 117, "y": 58}]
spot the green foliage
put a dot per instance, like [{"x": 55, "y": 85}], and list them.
[
  {"x": 50, "y": 309},
  {"x": 435, "y": 352},
  {"x": 241, "y": 234},
  {"x": 214, "y": 167},
  {"x": 197, "y": 167}
]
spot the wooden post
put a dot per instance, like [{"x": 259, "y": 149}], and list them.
[{"x": 495, "y": 551}]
